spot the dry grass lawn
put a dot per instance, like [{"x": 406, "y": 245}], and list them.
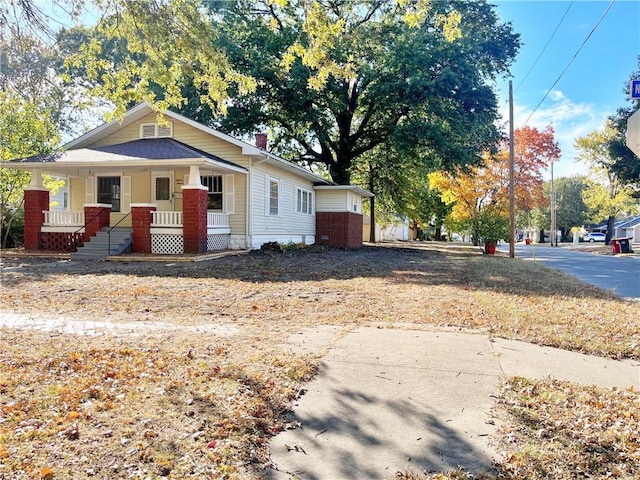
[{"x": 199, "y": 389}]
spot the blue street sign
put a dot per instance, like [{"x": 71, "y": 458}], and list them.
[{"x": 635, "y": 88}]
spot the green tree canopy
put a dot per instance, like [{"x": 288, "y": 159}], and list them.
[
  {"x": 608, "y": 196},
  {"x": 26, "y": 129},
  {"x": 625, "y": 165},
  {"x": 422, "y": 88}
]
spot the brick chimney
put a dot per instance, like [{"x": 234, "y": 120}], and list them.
[{"x": 261, "y": 140}]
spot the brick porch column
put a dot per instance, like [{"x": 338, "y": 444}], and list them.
[
  {"x": 194, "y": 213},
  {"x": 96, "y": 216},
  {"x": 36, "y": 200},
  {"x": 141, "y": 223}
]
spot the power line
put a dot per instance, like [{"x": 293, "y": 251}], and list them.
[
  {"x": 545, "y": 47},
  {"x": 570, "y": 62}
]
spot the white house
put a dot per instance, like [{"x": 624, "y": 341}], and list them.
[{"x": 181, "y": 187}]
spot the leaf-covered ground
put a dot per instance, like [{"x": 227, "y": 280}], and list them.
[{"x": 183, "y": 401}]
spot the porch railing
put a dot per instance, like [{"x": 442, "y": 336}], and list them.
[
  {"x": 174, "y": 219},
  {"x": 166, "y": 219},
  {"x": 217, "y": 219},
  {"x": 63, "y": 218}
]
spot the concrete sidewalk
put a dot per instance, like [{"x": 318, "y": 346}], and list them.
[{"x": 389, "y": 400}]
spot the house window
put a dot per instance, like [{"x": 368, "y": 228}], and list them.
[
  {"x": 109, "y": 192},
  {"x": 304, "y": 201},
  {"x": 214, "y": 191},
  {"x": 273, "y": 196}
]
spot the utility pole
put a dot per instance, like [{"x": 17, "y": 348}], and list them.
[
  {"x": 554, "y": 236},
  {"x": 512, "y": 189}
]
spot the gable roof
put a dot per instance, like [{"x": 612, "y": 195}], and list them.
[{"x": 143, "y": 109}]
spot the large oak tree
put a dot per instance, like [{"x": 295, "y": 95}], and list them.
[{"x": 377, "y": 79}]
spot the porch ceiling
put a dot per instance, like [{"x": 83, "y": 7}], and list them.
[{"x": 162, "y": 153}]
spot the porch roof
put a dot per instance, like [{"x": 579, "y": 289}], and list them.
[{"x": 143, "y": 153}]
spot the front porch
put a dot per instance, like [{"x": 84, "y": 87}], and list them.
[{"x": 66, "y": 231}]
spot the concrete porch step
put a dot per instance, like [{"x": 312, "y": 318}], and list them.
[{"x": 106, "y": 243}]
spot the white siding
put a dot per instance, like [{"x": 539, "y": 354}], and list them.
[
  {"x": 332, "y": 201},
  {"x": 288, "y": 225}
]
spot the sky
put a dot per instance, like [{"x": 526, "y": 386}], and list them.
[
  {"x": 591, "y": 89},
  {"x": 551, "y": 35}
]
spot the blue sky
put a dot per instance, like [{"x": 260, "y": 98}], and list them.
[{"x": 591, "y": 88}]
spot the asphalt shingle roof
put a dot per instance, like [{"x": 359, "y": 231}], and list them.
[{"x": 144, "y": 149}]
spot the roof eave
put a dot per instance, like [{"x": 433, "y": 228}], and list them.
[
  {"x": 352, "y": 188},
  {"x": 123, "y": 164}
]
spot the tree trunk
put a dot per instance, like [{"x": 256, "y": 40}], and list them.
[
  {"x": 372, "y": 226},
  {"x": 438, "y": 232},
  {"x": 340, "y": 173},
  {"x": 610, "y": 224}
]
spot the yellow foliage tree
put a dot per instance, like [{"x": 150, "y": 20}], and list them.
[{"x": 482, "y": 190}]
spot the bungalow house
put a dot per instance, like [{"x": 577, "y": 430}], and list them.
[
  {"x": 628, "y": 227},
  {"x": 181, "y": 187}
]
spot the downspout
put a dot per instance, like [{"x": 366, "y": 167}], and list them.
[{"x": 249, "y": 209}]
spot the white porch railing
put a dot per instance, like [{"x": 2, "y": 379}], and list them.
[
  {"x": 166, "y": 219},
  {"x": 63, "y": 218},
  {"x": 217, "y": 219},
  {"x": 174, "y": 219}
]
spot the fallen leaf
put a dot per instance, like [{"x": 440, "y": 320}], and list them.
[
  {"x": 46, "y": 473},
  {"x": 211, "y": 444}
]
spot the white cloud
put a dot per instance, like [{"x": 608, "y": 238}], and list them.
[{"x": 570, "y": 120}]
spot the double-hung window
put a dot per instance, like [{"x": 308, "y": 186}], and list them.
[
  {"x": 304, "y": 201},
  {"x": 273, "y": 197},
  {"x": 215, "y": 193},
  {"x": 109, "y": 192}
]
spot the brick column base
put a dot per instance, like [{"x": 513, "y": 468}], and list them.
[
  {"x": 96, "y": 216},
  {"x": 36, "y": 200},
  {"x": 194, "y": 219},
  {"x": 141, "y": 223}
]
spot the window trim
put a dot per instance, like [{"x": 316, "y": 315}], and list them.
[
  {"x": 120, "y": 193},
  {"x": 221, "y": 192},
  {"x": 297, "y": 206},
  {"x": 267, "y": 210}
]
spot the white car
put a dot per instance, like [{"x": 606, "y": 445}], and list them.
[{"x": 594, "y": 237}]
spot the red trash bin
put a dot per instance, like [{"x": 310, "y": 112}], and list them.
[{"x": 616, "y": 245}]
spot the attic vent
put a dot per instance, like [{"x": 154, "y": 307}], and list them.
[{"x": 153, "y": 130}]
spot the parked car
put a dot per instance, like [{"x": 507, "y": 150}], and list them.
[{"x": 594, "y": 237}]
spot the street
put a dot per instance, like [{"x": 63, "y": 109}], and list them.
[{"x": 618, "y": 273}]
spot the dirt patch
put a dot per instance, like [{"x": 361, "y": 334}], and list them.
[{"x": 159, "y": 390}]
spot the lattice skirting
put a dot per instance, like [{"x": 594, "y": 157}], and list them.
[
  {"x": 165, "y": 244},
  {"x": 217, "y": 242},
  {"x": 61, "y": 241}
]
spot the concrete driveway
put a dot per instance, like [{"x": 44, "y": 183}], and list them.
[{"x": 620, "y": 273}]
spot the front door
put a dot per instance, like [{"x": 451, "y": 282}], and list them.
[{"x": 162, "y": 191}]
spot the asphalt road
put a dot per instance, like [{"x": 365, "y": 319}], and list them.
[{"x": 618, "y": 273}]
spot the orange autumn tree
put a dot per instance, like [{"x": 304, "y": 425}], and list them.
[{"x": 480, "y": 196}]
